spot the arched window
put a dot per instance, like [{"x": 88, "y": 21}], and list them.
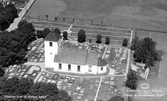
[
  {"x": 69, "y": 67},
  {"x": 101, "y": 68},
  {"x": 79, "y": 69},
  {"x": 50, "y": 44}
]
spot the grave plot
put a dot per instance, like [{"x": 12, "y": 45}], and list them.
[
  {"x": 107, "y": 88},
  {"x": 23, "y": 71},
  {"x": 36, "y": 51},
  {"x": 117, "y": 58}
]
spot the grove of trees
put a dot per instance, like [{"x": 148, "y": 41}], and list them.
[
  {"x": 14, "y": 44},
  {"x": 7, "y": 15},
  {"x": 26, "y": 87},
  {"x": 145, "y": 51}
]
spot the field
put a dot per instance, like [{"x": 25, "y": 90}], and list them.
[
  {"x": 116, "y": 34},
  {"x": 142, "y": 14}
]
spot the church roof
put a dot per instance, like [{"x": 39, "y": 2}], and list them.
[
  {"x": 52, "y": 37},
  {"x": 71, "y": 56},
  {"x": 101, "y": 62},
  {"x": 78, "y": 55},
  {"x": 92, "y": 59}
]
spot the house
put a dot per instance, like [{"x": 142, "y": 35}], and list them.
[
  {"x": 72, "y": 57},
  {"x": 134, "y": 67}
]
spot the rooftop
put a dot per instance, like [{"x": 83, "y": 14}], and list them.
[
  {"x": 71, "y": 55},
  {"x": 52, "y": 37},
  {"x": 79, "y": 54}
]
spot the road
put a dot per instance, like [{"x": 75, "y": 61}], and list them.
[{"x": 21, "y": 14}]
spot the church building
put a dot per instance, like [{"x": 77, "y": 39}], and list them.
[{"x": 72, "y": 57}]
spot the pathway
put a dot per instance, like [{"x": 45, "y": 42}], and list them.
[{"x": 98, "y": 89}]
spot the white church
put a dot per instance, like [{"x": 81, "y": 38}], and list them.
[{"x": 72, "y": 57}]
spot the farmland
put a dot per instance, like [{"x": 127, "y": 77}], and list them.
[{"x": 142, "y": 14}]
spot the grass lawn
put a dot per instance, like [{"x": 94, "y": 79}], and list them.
[
  {"x": 147, "y": 14},
  {"x": 155, "y": 70}
]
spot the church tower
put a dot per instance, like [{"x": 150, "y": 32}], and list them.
[{"x": 51, "y": 42}]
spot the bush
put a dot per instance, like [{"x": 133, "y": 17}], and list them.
[
  {"x": 99, "y": 37},
  {"x": 65, "y": 34},
  {"x": 125, "y": 42},
  {"x": 81, "y": 36},
  {"x": 46, "y": 31},
  {"x": 56, "y": 30}
]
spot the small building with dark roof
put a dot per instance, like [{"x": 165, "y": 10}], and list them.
[{"x": 66, "y": 56}]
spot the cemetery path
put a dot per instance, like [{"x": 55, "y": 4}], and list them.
[
  {"x": 42, "y": 66},
  {"x": 98, "y": 89}
]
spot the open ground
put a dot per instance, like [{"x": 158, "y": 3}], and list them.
[{"x": 142, "y": 14}]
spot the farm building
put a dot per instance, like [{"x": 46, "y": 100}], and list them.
[{"x": 72, "y": 57}]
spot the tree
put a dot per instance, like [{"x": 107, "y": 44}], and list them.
[
  {"x": 132, "y": 80},
  {"x": 46, "y": 17},
  {"x": 81, "y": 36},
  {"x": 99, "y": 37},
  {"x": 55, "y": 18},
  {"x": 107, "y": 41},
  {"x": 39, "y": 34},
  {"x": 117, "y": 98},
  {"x": 125, "y": 42},
  {"x": 65, "y": 34},
  {"x": 64, "y": 19},
  {"x": 56, "y": 30},
  {"x": 90, "y": 40},
  {"x": 46, "y": 31},
  {"x": 91, "y": 21}
]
